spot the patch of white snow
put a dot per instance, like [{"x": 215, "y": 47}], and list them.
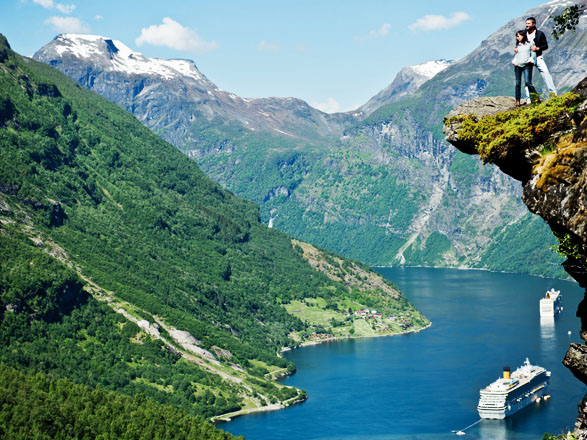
[
  {"x": 125, "y": 59},
  {"x": 431, "y": 68}
]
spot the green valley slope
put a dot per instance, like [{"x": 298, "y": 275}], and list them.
[{"x": 124, "y": 267}]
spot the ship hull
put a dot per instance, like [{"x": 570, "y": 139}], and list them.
[
  {"x": 511, "y": 407},
  {"x": 550, "y": 308},
  {"x": 551, "y": 304}
]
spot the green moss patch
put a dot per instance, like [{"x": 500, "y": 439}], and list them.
[{"x": 517, "y": 128}]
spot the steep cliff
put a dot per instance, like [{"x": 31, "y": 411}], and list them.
[{"x": 545, "y": 147}]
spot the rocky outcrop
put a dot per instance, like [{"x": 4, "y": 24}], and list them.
[
  {"x": 576, "y": 360},
  {"x": 545, "y": 147},
  {"x": 581, "y": 424},
  {"x": 477, "y": 108}
]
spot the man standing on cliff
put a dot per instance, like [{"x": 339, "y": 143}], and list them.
[{"x": 539, "y": 45}]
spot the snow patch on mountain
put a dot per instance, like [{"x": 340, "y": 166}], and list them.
[
  {"x": 406, "y": 82},
  {"x": 77, "y": 45},
  {"x": 122, "y": 58},
  {"x": 431, "y": 68}
]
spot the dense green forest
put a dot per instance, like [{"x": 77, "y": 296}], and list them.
[
  {"x": 50, "y": 324},
  {"x": 36, "y": 406},
  {"x": 123, "y": 267}
]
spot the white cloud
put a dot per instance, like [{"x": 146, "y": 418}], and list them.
[
  {"x": 65, "y": 9},
  {"x": 47, "y": 4},
  {"x": 175, "y": 36},
  {"x": 383, "y": 31},
  {"x": 437, "y": 22},
  {"x": 330, "y": 106},
  {"x": 68, "y": 24},
  {"x": 50, "y": 4},
  {"x": 267, "y": 46},
  {"x": 98, "y": 17}
]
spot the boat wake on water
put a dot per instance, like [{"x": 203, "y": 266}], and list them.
[{"x": 462, "y": 431}]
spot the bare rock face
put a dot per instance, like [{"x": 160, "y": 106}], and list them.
[
  {"x": 545, "y": 147},
  {"x": 576, "y": 360},
  {"x": 581, "y": 424}
]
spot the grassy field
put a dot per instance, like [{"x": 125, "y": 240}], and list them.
[{"x": 340, "y": 321}]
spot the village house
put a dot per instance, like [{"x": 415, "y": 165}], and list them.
[{"x": 362, "y": 313}]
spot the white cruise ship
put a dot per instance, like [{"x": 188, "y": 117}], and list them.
[
  {"x": 550, "y": 305},
  {"x": 511, "y": 393}
]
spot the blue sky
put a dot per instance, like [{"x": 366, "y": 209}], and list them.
[{"x": 335, "y": 54}]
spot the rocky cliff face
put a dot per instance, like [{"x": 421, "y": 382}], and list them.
[
  {"x": 544, "y": 147},
  {"x": 442, "y": 192}
]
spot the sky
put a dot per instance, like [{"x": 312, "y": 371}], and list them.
[{"x": 334, "y": 54}]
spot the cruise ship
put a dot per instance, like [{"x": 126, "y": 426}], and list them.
[
  {"x": 551, "y": 304},
  {"x": 512, "y": 392}
]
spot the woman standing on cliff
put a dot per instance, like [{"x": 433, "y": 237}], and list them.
[{"x": 523, "y": 62}]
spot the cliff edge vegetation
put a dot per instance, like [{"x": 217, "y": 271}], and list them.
[{"x": 545, "y": 147}]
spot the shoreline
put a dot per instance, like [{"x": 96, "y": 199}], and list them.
[
  {"x": 474, "y": 268},
  {"x": 343, "y": 338},
  {"x": 225, "y": 418}
]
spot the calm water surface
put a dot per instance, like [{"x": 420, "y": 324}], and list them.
[{"x": 425, "y": 385}]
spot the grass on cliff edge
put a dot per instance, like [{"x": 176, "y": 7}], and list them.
[{"x": 523, "y": 126}]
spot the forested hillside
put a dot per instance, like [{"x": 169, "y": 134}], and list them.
[
  {"x": 124, "y": 267},
  {"x": 40, "y": 407}
]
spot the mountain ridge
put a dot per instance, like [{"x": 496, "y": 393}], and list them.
[
  {"x": 317, "y": 185},
  {"x": 110, "y": 57},
  {"x": 407, "y": 81}
]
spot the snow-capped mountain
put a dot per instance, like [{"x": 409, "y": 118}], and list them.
[
  {"x": 406, "y": 82},
  {"x": 115, "y": 56},
  {"x": 169, "y": 96}
]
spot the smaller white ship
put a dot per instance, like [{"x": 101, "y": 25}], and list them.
[{"x": 551, "y": 304}]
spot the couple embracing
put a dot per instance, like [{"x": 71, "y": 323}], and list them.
[{"x": 530, "y": 44}]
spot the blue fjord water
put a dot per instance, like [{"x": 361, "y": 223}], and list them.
[{"x": 426, "y": 385}]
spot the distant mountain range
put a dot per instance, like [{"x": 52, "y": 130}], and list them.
[
  {"x": 378, "y": 183},
  {"x": 170, "y": 95}
]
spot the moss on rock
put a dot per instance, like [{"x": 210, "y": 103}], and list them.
[{"x": 497, "y": 135}]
